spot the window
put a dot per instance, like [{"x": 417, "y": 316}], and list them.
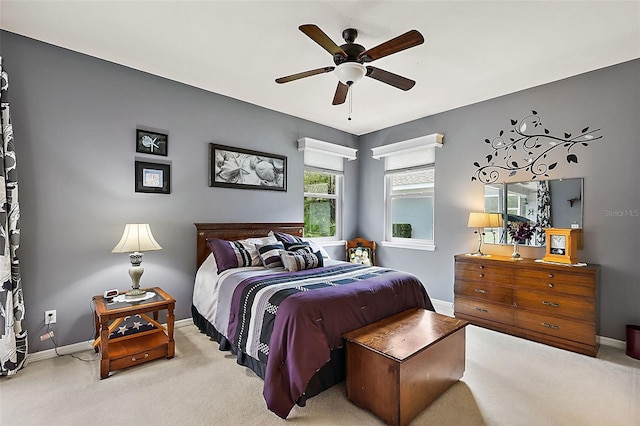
[
  {"x": 323, "y": 182},
  {"x": 410, "y": 205},
  {"x": 322, "y": 204},
  {"x": 409, "y": 191}
]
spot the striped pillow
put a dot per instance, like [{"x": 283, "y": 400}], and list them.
[
  {"x": 283, "y": 237},
  {"x": 233, "y": 254},
  {"x": 302, "y": 259},
  {"x": 270, "y": 254}
]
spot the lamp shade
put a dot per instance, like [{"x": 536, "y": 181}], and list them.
[
  {"x": 495, "y": 219},
  {"x": 137, "y": 237},
  {"x": 479, "y": 220}
]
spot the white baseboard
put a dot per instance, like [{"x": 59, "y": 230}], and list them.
[
  {"x": 446, "y": 308},
  {"x": 83, "y": 346},
  {"x": 614, "y": 343},
  {"x": 441, "y": 306}
]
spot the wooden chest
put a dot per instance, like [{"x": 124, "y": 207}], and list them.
[
  {"x": 548, "y": 303},
  {"x": 397, "y": 366}
]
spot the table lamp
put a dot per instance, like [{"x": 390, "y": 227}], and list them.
[
  {"x": 136, "y": 238},
  {"x": 481, "y": 221}
]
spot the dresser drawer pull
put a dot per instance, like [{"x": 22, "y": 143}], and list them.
[
  {"x": 134, "y": 359},
  {"x": 550, "y": 285},
  {"x": 481, "y": 275},
  {"x": 481, "y": 290},
  {"x": 481, "y": 266},
  {"x": 550, "y": 275},
  {"x": 555, "y": 305},
  {"x": 481, "y": 310},
  {"x": 555, "y": 327}
]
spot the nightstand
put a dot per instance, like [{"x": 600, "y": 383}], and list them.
[{"x": 127, "y": 336}]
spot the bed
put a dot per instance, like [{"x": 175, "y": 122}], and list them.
[{"x": 287, "y": 325}]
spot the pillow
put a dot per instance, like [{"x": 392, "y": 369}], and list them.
[
  {"x": 283, "y": 237},
  {"x": 270, "y": 254},
  {"x": 296, "y": 246},
  {"x": 236, "y": 254},
  {"x": 292, "y": 239},
  {"x": 317, "y": 247},
  {"x": 302, "y": 259}
]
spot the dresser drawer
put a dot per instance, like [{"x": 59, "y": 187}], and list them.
[
  {"x": 555, "y": 286},
  {"x": 557, "y": 327},
  {"x": 484, "y": 291},
  {"x": 484, "y": 310},
  {"x": 586, "y": 279},
  {"x": 481, "y": 272},
  {"x": 553, "y": 304}
]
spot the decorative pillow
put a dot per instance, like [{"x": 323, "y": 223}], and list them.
[
  {"x": 236, "y": 254},
  {"x": 297, "y": 246},
  {"x": 283, "y": 237},
  {"x": 302, "y": 259},
  {"x": 292, "y": 239},
  {"x": 270, "y": 254},
  {"x": 317, "y": 247}
]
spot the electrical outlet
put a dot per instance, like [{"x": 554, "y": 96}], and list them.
[{"x": 50, "y": 317}]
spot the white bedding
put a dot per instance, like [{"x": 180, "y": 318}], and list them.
[{"x": 206, "y": 289}]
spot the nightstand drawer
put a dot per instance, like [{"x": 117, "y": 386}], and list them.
[
  {"x": 138, "y": 358},
  {"x": 484, "y": 291},
  {"x": 484, "y": 310},
  {"x": 551, "y": 304}
]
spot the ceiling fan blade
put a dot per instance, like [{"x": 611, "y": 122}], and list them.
[
  {"x": 409, "y": 39},
  {"x": 390, "y": 78},
  {"x": 341, "y": 94},
  {"x": 317, "y": 35},
  {"x": 304, "y": 74}
]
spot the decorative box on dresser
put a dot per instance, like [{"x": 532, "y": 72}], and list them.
[{"x": 548, "y": 303}]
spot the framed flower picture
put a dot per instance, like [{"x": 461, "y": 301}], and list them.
[
  {"x": 231, "y": 167},
  {"x": 153, "y": 177}
]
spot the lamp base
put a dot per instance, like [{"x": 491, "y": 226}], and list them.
[{"x": 135, "y": 293}]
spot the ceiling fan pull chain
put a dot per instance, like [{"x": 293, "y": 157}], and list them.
[{"x": 350, "y": 101}]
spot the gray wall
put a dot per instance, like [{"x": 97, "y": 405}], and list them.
[
  {"x": 607, "y": 99},
  {"x": 74, "y": 122}
]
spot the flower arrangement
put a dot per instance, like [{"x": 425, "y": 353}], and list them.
[{"x": 521, "y": 231}]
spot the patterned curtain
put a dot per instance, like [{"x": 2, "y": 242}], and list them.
[
  {"x": 544, "y": 211},
  {"x": 13, "y": 339}
]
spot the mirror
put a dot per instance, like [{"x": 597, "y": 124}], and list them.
[{"x": 552, "y": 203}]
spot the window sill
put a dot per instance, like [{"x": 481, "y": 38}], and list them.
[
  {"x": 410, "y": 246},
  {"x": 328, "y": 243}
]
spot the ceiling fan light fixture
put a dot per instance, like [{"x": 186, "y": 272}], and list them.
[{"x": 350, "y": 72}]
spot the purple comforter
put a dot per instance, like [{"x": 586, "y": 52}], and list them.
[{"x": 292, "y": 321}]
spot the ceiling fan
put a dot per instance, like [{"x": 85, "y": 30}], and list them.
[{"x": 351, "y": 57}]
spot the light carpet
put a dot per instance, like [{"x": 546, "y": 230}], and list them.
[{"x": 508, "y": 381}]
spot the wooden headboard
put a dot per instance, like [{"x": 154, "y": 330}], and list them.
[{"x": 239, "y": 231}]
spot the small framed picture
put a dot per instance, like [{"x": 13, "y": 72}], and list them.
[
  {"x": 152, "y": 142},
  {"x": 153, "y": 177}
]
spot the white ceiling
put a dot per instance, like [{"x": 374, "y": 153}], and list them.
[{"x": 474, "y": 50}]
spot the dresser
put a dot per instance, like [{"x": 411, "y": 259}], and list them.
[{"x": 547, "y": 303}]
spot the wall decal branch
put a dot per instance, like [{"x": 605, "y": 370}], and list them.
[{"x": 526, "y": 147}]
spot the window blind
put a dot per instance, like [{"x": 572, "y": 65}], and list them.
[
  {"x": 410, "y": 153},
  {"x": 325, "y": 155}
]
